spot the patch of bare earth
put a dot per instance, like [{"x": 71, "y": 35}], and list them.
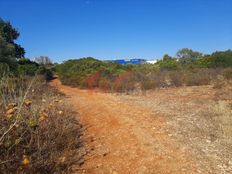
[{"x": 163, "y": 131}]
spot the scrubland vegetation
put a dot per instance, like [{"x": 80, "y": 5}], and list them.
[{"x": 189, "y": 68}]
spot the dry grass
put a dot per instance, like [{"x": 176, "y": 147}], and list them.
[
  {"x": 174, "y": 78},
  {"x": 222, "y": 114},
  {"x": 223, "y": 109},
  {"x": 199, "y": 118},
  {"x": 38, "y": 132}
]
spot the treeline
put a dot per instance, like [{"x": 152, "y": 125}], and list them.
[
  {"x": 189, "y": 59},
  {"x": 187, "y": 68},
  {"x": 12, "y": 55}
]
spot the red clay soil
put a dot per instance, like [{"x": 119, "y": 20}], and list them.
[{"x": 126, "y": 138}]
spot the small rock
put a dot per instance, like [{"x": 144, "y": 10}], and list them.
[
  {"x": 99, "y": 165},
  {"x": 60, "y": 112},
  {"x": 230, "y": 163},
  {"x": 104, "y": 154}
]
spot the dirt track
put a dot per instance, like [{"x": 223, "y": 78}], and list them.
[{"x": 126, "y": 137}]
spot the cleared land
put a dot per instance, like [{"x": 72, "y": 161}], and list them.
[{"x": 175, "y": 130}]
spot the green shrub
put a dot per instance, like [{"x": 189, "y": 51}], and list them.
[
  {"x": 171, "y": 64},
  {"x": 4, "y": 68},
  {"x": 28, "y": 69}
]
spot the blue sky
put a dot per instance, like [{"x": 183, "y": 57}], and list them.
[{"x": 111, "y": 29}]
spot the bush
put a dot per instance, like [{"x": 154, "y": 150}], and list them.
[
  {"x": 28, "y": 69},
  {"x": 39, "y": 134},
  {"x": 199, "y": 77},
  {"x": 147, "y": 84},
  {"x": 176, "y": 78},
  {"x": 169, "y": 64},
  {"x": 227, "y": 73},
  {"x": 105, "y": 84},
  {"x": 4, "y": 68},
  {"x": 125, "y": 82}
]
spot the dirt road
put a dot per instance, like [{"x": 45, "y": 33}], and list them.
[{"x": 126, "y": 138}]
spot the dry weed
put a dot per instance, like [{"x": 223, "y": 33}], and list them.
[{"x": 38, "y": 133}]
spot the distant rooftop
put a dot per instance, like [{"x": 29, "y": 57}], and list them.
[
  {"x": 129, "y": 61},
  {"x": 133, "y": 61}
]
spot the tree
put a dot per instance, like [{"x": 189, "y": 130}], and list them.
[
  {"x": 43, "y": 60},
  {"x": 10, "y": 52},
  {"x": 6, "y": 54},
  {"x": 167, "y": 57},
  {"x": 188, "y": 56},
  {"x": 221, "y": 59},
  {"x": 168, "y": 63},
  {"x": 10, "y": 34}
]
